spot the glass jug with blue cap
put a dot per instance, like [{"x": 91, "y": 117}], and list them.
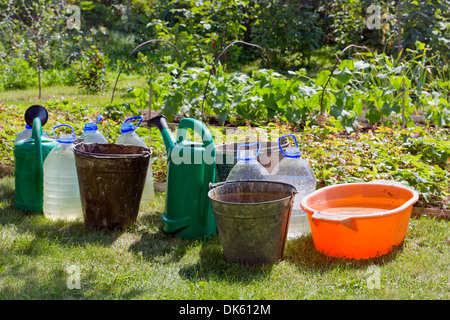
[
  {"x": 91, "y": 134},
  {"x": 247, "y": 167},
  {"x": 61, "y": 193},
  {"x": 293, "y": 169},
  {"x": 128, "y": 136}
]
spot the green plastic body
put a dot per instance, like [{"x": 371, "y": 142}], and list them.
[
  {"x": 190, "y": 169},
  {"x": 29, "y": 156}
]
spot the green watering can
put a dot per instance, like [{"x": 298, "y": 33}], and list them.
[
  {"x": 29, "y": 156},
  {"x": 191, "y": 167}
]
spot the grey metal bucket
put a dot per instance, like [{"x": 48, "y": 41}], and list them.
[
  {"x": 252, "y": 219},
  {"x": 269, "y": 156}
]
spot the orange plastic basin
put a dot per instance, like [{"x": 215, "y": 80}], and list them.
[{"x": 359, "y": 220}]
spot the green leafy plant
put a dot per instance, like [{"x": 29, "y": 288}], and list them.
[
  {"x": 91, "y": 70},
  {"x": 16, "y": 73}
]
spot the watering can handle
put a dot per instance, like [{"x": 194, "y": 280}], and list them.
[
  {"x": 285, "y": 136},
  {"x": 36, "y": 134},
  {"x": 209, "y": 156},
  {"x": 198, "y": 127}
]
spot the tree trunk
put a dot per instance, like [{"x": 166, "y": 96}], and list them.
[
  {"x": 38, "y": 63},
  {"x": 399, "y": 25}
]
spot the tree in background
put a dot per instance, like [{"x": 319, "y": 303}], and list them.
[{"x": 37, "y": 22}]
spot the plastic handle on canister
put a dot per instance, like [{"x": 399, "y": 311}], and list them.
[
  {"x": 279, "y": 143},
  {"x": 64, "y": 125},
  {"x": 100, "y": 118},
  {"x": 134, "y": 118},
  {"x": 248, "y": 145}
]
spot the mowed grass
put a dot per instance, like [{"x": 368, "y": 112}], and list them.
[
  {"x": 30, "y": 96},
  {"x": 40, "y": 258}
]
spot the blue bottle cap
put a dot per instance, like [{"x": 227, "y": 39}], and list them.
[
  {"x": 127, "y": 127},
  {"x": 66, "y": 138},
  {"x": 292, "y": 152},
  {"x": 91, "y": 126},
  {"x": 28, "y": 127}
]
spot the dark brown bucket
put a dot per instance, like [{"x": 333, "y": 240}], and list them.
[
  {"x": 111, "y": 178},
  {"x": 252, "y": 219}
]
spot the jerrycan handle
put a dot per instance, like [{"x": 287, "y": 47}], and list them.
[
  {"x": 248, "y": 145},
  {"x": 134, "y": 118},
  {"x": 285, "y": 136},
  {"x": 36, "y": 134},
  {"x": 210, "y": 158},
  {"x": 64, "y": 141},
  {"x": 99, "y": 118}
]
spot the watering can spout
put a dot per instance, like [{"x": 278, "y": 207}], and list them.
[{"x": 160, "y": 122}]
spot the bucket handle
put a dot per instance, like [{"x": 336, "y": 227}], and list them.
[
  {"x": 248, "y": 145},
  {"x": 285, "y": 136},
  {"x": 64, "y": 125},
  {"x": 218, "y": 184},
  {"x": 134, "y": 118},
  {"x": 346, "y": 221}
]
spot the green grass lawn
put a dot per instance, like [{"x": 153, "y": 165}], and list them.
[
  {"x": 30, "y": 96},
  {"x": 142, "y": 262}
]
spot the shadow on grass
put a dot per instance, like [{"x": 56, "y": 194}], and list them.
[
  {"x": 209, "y": 264},
  {"x": 212, "y": 266},
  {"x": 304, "y": 255},
  {"x": 65, "y": 233},
  {"x": 155, "y": 245},
  {"x": 301, "y": 252}
]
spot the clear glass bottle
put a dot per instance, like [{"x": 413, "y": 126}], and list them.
[
  {"x": 91, "y": 134},
  {"x": 128, "y": 136},
  {"x": 247, "y": 167},
  {"x": 294, "y": 170},
  {"x": 61, "y": 193}
]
